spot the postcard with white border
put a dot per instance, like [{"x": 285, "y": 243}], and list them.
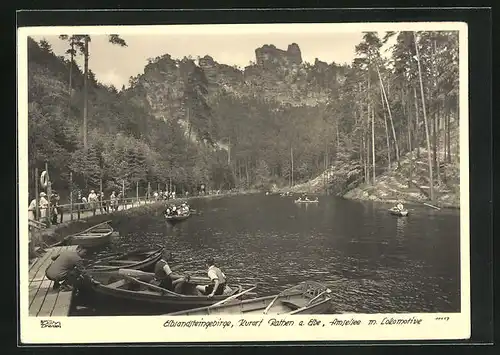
[{"x": 236, "y": 183}]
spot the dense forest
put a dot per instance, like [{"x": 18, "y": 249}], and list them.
[{"x": 275, "y": 122}]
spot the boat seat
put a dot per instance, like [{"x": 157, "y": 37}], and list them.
[
  {"x": 295, "y": 304},
  {"x": 123, "y": 261},
  {"x": 117, "y": 284}
]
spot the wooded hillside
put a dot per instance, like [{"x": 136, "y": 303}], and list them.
[{"x": 278, "y": 121}]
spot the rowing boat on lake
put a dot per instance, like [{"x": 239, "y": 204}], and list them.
[
  {"x": 306, "y": 201},
  {"x": 140, "y": 259},
  {"x": 397, "y": 212},
  {"x": 122, "y": 292},
  {"x": 308, "y": 297},
  {"x": 178, "y": 218}
]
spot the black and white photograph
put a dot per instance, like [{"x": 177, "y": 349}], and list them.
[{"x": 257, "y": 182}]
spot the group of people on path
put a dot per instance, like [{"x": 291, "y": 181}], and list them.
[
  {"x": 164, "y": 195},
  {"x": 98, "y": 201},
  {"x": 42, "y": 214}
]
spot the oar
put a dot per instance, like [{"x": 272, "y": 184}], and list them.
[
  {"x": 318, "y": 296},
  {"x": 428, "y": 204},
  {"x": 233, "y": 297},
  {"x": 275, "y": 298},
  {"x": 154, "y": 287},
  {"x": 141, "y": 274}
]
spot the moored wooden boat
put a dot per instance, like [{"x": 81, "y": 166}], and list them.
[
  {"x": 395, "y": 211},
  {"x": 308, "y": 297},
  {"x": 139, "y": 259},
  {"x": 92, "y": 237},
  {"x": 115, "y": 290}
]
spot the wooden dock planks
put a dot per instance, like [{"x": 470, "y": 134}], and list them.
[{"x": 44, "y": 301}]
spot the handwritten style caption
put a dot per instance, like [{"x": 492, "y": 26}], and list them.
[{"x": 283, "y": 322}]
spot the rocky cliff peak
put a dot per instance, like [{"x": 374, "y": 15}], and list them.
[{"x": 270, "y": 56}]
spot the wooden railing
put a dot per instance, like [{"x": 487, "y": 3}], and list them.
[{"x": 81, "y": 210}]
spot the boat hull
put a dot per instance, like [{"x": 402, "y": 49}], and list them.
[
  {"x": 133, "y": 302},
  {"x": 93, "y": 237},
  {"x": 90, "y": 242},
  {"x": 298, "y": 302},
  {"x": 398, "y": 213},
  {"x": 147, "y": 264},
  {"x": 174, "y": 219}
]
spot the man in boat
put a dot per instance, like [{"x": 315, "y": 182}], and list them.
[
  {"x": 400, "y": 206},
  {"x": 218, "y": 280},
  {"x": 65, "y": 267},
  {"x": 164, "y": 278}
]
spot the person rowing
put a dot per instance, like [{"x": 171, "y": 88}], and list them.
[
  {"x": 217, "y": 278},
  {"x": 400, "y": 207},
  {"x": 164, "y": 278}
]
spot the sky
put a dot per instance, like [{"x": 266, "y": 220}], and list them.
[{"x": 115, "y": 65}]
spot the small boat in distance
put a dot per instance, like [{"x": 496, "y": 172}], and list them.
[
  {"x": 397, "y": 212},
  {"x": 139, "y": 259},
  {"x": 309, "y": 297},
  {"x": 307, "y": 201},
  {"x": 178, "y": 218}
]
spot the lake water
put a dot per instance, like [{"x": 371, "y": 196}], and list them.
[{"x": 373, "y": 262}]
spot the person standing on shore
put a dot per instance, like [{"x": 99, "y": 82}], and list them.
[
  {"x": 32, "y": 210},
  {"x": 65, "y": 267},
  {"x": 44, "y": 206},
  {"x": 54, "y": 204},
  {"x": 113, "y": 201},
  {"x": 93, "y": 201}
]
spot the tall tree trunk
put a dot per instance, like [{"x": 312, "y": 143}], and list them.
[
  {"x": 246, "y": 172},
  {"x": 386, "y": 130},
  {"x": 417, "y": 124},
  {"x": 429, "y": 158},
  {"x": 390, "y": 115},
  {"x": 410, "y": 147},
  {"x": 365, "y": 168},
  {"x": 373, "y": 143},
  {"x": 436, "y": 117},
  {"x": 338, "y": 136},
  {"x": 85, "y": 89},
  {"x": 448, "y": 141},
  {"x": 368, "y": 112},
  {"x": 70, "y": 89}
]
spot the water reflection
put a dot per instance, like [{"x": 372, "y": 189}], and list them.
[{"x": 373, "y": 261}]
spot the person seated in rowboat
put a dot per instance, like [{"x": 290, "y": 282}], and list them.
[
  {"x": 400, "y": 206},
  {"x": 163, "y": 276},
  {"x": 65, "y": 267},
  {"x": 184, "y": 209},
  {"x": 218, "y": 280}
]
